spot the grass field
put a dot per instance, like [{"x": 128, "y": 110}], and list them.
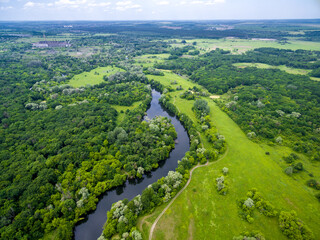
[
  {"x": 201, "y": 213},
  {"x": 281, "y": 67},
  {"x": 238, "y": 46},
  {"x": 122, "y": 109},
  {"x": 93, "y": 77},
  {"x": 149, "y": 59}
]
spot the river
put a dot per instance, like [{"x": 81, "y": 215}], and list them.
[{"x": 91, "y": 228}]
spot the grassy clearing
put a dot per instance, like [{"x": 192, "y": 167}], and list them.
[
  {"x": 145, "y": 222},
  {"x": 149, "y": 59},
  {"x": 122, "y": 110},
  {"x": 238, "y": 46},
  {"x": 267, "y": 66},
  {"x": 93, "y": 77},
  {"x": 202, "y": 213},
  {"x": 281, "y": 67}
]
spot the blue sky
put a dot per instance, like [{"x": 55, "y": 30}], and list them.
[{"x": 157, "y": 10}]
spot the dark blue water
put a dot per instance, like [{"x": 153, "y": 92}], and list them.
[{"x": 91, "y": 229}]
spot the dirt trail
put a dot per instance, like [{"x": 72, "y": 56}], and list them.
[{"x": 178, "y": 194}]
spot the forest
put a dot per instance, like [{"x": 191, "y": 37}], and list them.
[{"x": 63, "y": 147}]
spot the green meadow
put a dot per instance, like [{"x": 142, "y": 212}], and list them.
[
  {"x": 281, "y": 67},
  {"x": 93, "y": 77},
  {"x": 201, "y": 213},
  {"x": 122, "y": 109},
  {"x": 149, "y": 59},
  {"x": 238, "y": 46}
]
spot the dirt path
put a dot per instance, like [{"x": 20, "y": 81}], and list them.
[{"x": 178, "y": 194}]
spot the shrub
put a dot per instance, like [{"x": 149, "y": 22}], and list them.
[
  {"x": 293, "y": 227},
  {"x": 225, "y": 170},
  {"x": 221, "y": 185},
  {"x": 313, "y": 184},
  {"x": 298, "y": 167},
  {"x": 249, "y": 203},
  {"x": 318, "y": 196},
  {"x": 289, "y": 170},
  {"x": 254, "y": 235},
  {"x": 291, "y": 158}
]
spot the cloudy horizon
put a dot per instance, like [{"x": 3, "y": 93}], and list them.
[{"x": 157, "y": 10}]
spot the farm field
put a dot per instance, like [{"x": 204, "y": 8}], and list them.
[
  {"x": 200, "y": 212},
  {"x": 93, "y": 77}
]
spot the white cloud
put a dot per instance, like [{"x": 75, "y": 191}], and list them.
[
  {"x": 163, "y": 3},
  {"x": 5, "y": 8},
  {"x": 199, "y": 2},
  {"x": 214, "y": 2},
  {"x": 102, "y": 4},
  {"x": 70, "y": 3},
  {"x": 29, "y": 4},
  {"x": 125, "y": 5}
]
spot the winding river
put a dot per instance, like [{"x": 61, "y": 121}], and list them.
[{"x": 91, "y": 228}]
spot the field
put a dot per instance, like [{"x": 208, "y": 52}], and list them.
[
  {"x": 281, "y": 67},
  {"x": 93, "y": 77},
  {"x": 121, "y": 110},
  {"x": 201, "y": 213},
  {"x": 238, "y": 46},
  {"x": 149, "y": 59}
]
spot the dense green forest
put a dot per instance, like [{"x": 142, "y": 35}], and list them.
[{"x": 62, "y": 147}]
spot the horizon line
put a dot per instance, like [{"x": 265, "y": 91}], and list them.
[{"x": 157, "y": 20}]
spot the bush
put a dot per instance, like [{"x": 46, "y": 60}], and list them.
[
  {"x": 221, "y": 185},
  {"x": 255, "y": 201},
  {"x": 291, "y": 158},
  {"x": 289, "y": 170},
  {"x": 201, "y": 108},
  {"x": 313, "y": 184},
  {"x": 254, "y": 235},
  {"x": 318, "y": 196},
  {"x": 298, "y": 167},
  {"x": 293, "y": 227},
  {"x": 225, "y": 170}
]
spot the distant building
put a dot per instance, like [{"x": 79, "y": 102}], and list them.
[{"x": 51, "y": 44}]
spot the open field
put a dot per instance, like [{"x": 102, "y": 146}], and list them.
[
  {"x": 149, "y": 59},
  {"x": 201, "y": 213},
  {"x": 93, "y": 77},
  {"x": 281, "y": 67},
  {"x": 238, "y": 46},
  {"x": 122, "y": 109}
]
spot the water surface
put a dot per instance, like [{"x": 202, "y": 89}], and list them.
[{"x": 91, "y": 229}]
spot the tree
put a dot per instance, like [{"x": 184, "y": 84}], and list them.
[
  {"x": 225, "y": 170},
  {"x": 201, "y": 108},
  {"x": 249, "y": 203}
]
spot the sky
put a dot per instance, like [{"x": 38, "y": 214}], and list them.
[{"x": 157, "y": 10}]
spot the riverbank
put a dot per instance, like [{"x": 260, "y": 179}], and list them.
[
  {"x": 91, "y": 229},
  {"x": 200, "y": 211}
]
